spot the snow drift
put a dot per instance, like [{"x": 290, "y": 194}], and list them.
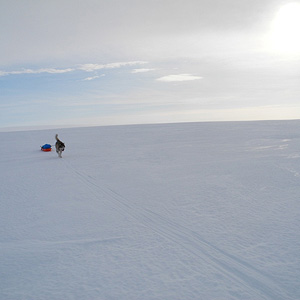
[{"x": 174, "y": 211}]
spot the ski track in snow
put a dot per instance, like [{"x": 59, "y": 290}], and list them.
[{"x": 231, "y": 267}]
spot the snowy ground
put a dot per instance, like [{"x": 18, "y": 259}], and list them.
[{"x": 180, "y": 211}]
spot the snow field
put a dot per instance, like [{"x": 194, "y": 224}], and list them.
[{"x": 173, "y": 211}]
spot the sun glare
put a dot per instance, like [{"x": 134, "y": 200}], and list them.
[{"x": 285, "y": 36}]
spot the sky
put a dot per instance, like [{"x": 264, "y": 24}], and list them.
[{"x": 96, "y": 62}]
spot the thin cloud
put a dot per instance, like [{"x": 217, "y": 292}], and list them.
[
  {"x": 141, "y": 70},
  {"x": 179, "y": 77},
  {"x": 84, "y": 67},
  {"x": 90, "y": 78},
  {"x": 38, "y": 71},
  {"x": 95, "y": 67}
]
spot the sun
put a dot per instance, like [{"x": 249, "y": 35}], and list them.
[{"x": 285, "y": 36}]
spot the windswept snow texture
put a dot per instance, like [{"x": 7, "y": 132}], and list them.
[{"x": 179, "y": 211}]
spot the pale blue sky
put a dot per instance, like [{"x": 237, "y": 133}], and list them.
[{"x": 94, "y": 62}]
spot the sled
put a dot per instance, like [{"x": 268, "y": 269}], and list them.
[{"x": 46, "y": 148}]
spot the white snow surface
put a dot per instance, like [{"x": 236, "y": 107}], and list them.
[{"x": 174, "y": 211}]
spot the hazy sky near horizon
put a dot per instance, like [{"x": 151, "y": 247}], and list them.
[{"x": 97, "y": 62}]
